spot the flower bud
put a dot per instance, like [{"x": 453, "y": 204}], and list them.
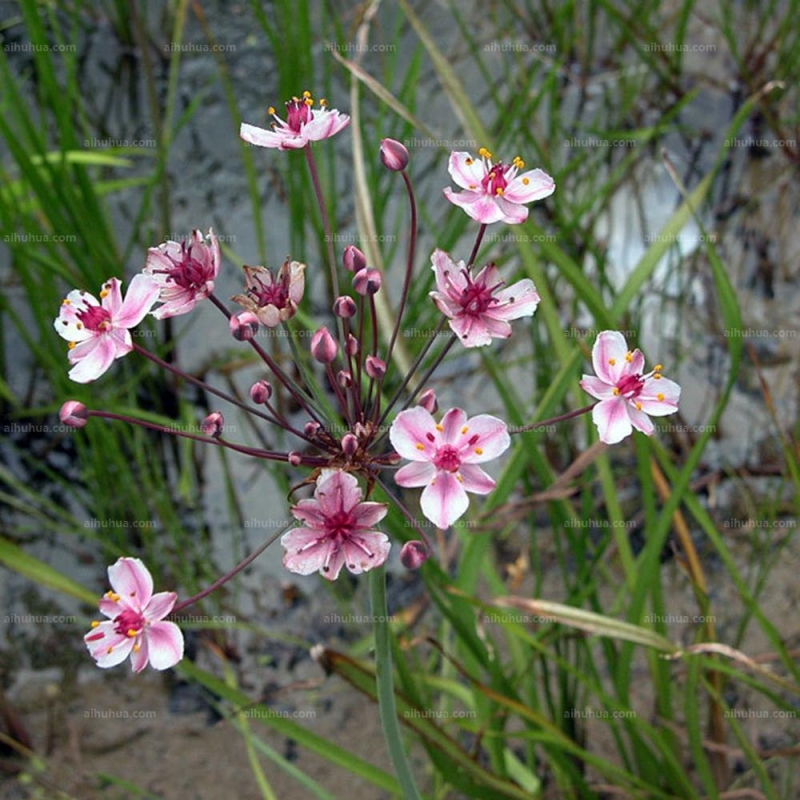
[
  {"x": 324, "y": 347},
  {"x": 428, "y": 401},
  {"x": 367, "y": 281},
  {"x": 295, "y": 459},
  {"x": 260, "y": 392},
  {"x": 375, "y": 367},
  {"x": 212, "y": 425},
  {"x": 352, "y": 345},
  {"x": 344, "y": 378},
  {"x": 74, "y": 414},
  {"x": 413, "y": 554},
  {"x": 354, "y": 259},
  {"x": 394, "y": 155},
  {"x": 344, "y": 307},
  {"x": 244, "y": 326},
  {"x": 311, "y": 428},
  {"x": 349, "y": 444}
]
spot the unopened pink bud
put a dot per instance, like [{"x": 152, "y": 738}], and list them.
[
  {"x": 394, "y": 156},
  {"x": 344, "y": 307},
  {"x": 413, "y": 554},
  {"x": 354, "y": 259},
  {"x": 212, "y": 425},
  {"x": 244, "y": 326},
  {"x": 344, "y": 378},
  {"x": 367, "y": 281},
  {"x": 310, "y": 428},
  {"x": 352, "y": 345},
  {"x": 349, "y": 444},
  {"x": 375, "y": 367},
  {"x": 74, "y": 414},
  {"x": 260, "y": 392},
  {"x": 295, "y": 459},
  {"x": 428, "y": 401},
  {"x": 324, "y": 347}
]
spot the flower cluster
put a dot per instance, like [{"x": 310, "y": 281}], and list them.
[{"x": 378, "y": 422}]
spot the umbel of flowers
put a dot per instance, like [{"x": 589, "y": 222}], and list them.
[{"x": 361, "y": 446}]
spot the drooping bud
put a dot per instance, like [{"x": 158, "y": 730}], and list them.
[
  {"x": 295, "y": 459},
  {"x": 74, "y": 414},
  {"x": 367, "y": 281},
  {"x": 354, "y": 259},
  {"x": 260, "y": 392},
  {"x": 349, "y": 444},
  {"x": 344, "y": 378},
  {"x": 413, "y": 554},
  {"x": 375, "y": 367},
  {"x": 344, "y": 307},
  {"x": 244, "y": 326},
  {"x": 213, "y": 424},
  {"x": 428, "y": 401},
  {"x": 324, "y": 347},
  {"x": 394, "y": 155},
  {"x": 352, "y": 345},
  {"x": 310, "y": 428}
]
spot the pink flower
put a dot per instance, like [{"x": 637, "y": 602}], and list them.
[
  {"x": 273, "y": 299},
  {"x": 98, "y": 331},
  {"x": 135, "y": 626},
  {"x": 477, "y": 310},
  {"x": 337, "y": 531},
  {"x": 626, "y": 395},
  {"x": 445, "y": 456},
  {"x": 494, "y": 192},
  {"x": 302, "y": 125},
  {"x": 185, "y": 272}
]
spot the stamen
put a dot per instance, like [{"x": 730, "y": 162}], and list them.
[
  {"x": 478, "y": 451},
  {"x": 468, "y": 161},
  {"x": 526, "y": 181},
  {"x": 660, "y": 396},
  {"x": 616, "y": 392},
  {"x": 137, "y": 647},
  {"x": 638, "y": 406},
  {"x": 439, "y": 427},
  {"x": 658, "y": 376},
  {"x": 306, "y": 94},
  {"x": 104, "y": 294},
  {"x": 629, "y": 356},
  {"x": 464, "y": 430},
  {"x": 110, "y": 650},
  {"x": 484, "y": 153},
  {"x": 420, "y": 446},
  {"x": 658, "y": 368},
  {"x": 271, "y": 110},
  {"x": 95, "y": 623},
  {"x": 66, "y": 302},
  {"x": 131, "y": 633},
  {"x": 323, "y": 102},
  {"x": 112, "y": 596},
  {"x": 612, "y": 361},
  {"x": 499, "y": 191},
  {"x": 72, "y": 345}
]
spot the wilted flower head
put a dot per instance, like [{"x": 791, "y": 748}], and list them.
[
  {"x": 273, "y": 299},
  {"x": 135, "y": 627},
  {"x": 337, "y": 531},
  {"x": 185, "y": 272},
  {"x": 626, "y": 395},
  {"x": 445, "y": 456},
  {"x": 478, "y": 308},
  {"x": 303, "y": 124},
  {"x": 495, "y": 192},
  {"x": 98, "y": 332}
]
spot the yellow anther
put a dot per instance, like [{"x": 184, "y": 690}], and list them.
[
  {"x": 113, "y": 596},
  {"x": 478, "y": 451},
  {"x": 308, "y": 101},
  {"x": 131, "y": 633},
  {"x": 660, "y": 396},
  {"x": 110, "y": 650},
  {"x": 323, "y": 102},
  {"x": 657, "y": 368},
  {"x": 72, "y": 344},
  {"x": 612, "y": 361},
  {"x": 66, "y": 302},
  {"x": 468, "y": 161},
  {"x": 306, "y": 94},
  {"x": 616, "y": 392},
  {"x": 499, "y": 191},
  {"x": 657, "y": 377},
  {"x": 295, "y": 99},
  {"x": 95, "y": 623},
  {"x": 420, "y": 446},
  {"x": 439, "y": 427},
  {"x": 638, "y": 405},
  {"x": 629, "y": 356},
  {"x": 473, "y": 186},
  {"x": 137, "y": 647},
  {"x": 80, "y": 326},
  {"x": 459, "y": 478},
  {"x": 465, "y": 429},
  {"x": 526, "y": 181},
  {"x": 104, "y": 293},
  {"x": 484, "y": 153},
  {"x": 271, "y": 110},
  {"x": 518, "y": 162}
]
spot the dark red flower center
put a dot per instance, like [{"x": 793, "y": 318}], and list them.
[
  {"x": 447, "y": 458},
  {"x": 189, "y": 272},
  {"x": 95, "y": 318},
  {"x": 298, "y": 113},
  {"x": 494, "y": 182},
  {"x": 630, "y": 386},
  {"x": 273, "y": 294},
  {"x": 129, "y": 620},
  {"x": 340, "y": 523},
  {"x": 477, "y": 296}
]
